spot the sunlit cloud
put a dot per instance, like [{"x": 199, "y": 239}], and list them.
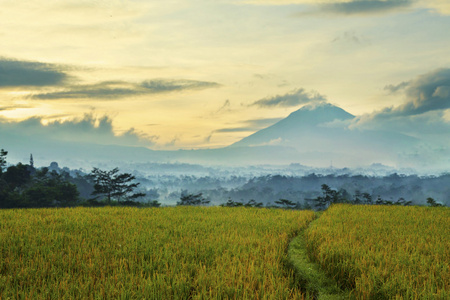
[
  {"x": 440, "y": 6},
  {"x": 194, "y": 68},
  {"x": 14, "y": 107},
  {"x": 235, "y": 129},
  {"x": 120, "y": 89},
  {"x": 293, "y": 98},
  {"x": 164, "y": 85},
  {"x": 250, "y": 125},
  {"x": 89, "y": 129}
]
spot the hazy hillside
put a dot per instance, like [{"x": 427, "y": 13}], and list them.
[
  {"x": 320, "y": 134},
  {"x": 316, "y": 136}
]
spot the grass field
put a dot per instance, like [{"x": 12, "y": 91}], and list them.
[
  {"x": 384, "y": 252},
  {"x": 374, "y": 252},
  {"x": 151, "y": 253}
]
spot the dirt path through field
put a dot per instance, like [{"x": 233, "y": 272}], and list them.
[{"x": 309, "y": 274}]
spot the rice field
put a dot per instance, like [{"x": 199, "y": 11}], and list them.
[
  {"x": 375, "y": 252},
  {"x": 384, "y": 252},
  {"x": 151, "y": 253}
]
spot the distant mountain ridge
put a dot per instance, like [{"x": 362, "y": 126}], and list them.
[
  {"x": 316, "y": 136},
  {"x": 320, "y": 134},
  {"x": 296, "y": 125}
]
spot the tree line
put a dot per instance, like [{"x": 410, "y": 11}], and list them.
[
  {"x": 23, "y": 185},
  {"x": 329, "y": 196}
]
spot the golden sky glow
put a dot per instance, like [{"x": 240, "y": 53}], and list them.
[{"x": 187, "y": 73}]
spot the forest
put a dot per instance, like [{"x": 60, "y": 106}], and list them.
[{"x": 24, "y": 185}]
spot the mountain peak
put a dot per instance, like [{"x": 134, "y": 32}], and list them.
[
  {"x": 323, "y": 112},
  {"x": 305, "y": 119}
]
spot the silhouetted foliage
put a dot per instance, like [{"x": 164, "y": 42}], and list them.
[
  {"x": 286, "y": 203},
  {"x": 114, "y": 185},
  {"x": 153, "y": 203},
  {"x": 3, "y": 154},
  {"x": 329, "y": 196},
  {"x": 50, "y": 189},
  {"x": 367, "y": 198},
  {"x": 403, "y": 202},
  {"x": 250, "y": 203},
  {"x": 231, "y": 203},
  {"x": 17, "y": 176},
  {"x": 24, "y": 186},
  {"x": 431, "y": 202},
  {"x": 253, "y": 203},
  {"x": 192, "y": 199},
  {"x": 357, "y": 199}
]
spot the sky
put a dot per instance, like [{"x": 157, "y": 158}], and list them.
[{"x": 189, "y": 74}]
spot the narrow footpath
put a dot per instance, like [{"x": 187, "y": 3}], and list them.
[{"x": 313, "y": 281}]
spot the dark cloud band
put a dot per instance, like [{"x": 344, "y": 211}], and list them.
[
  {"x": 393, "y": 88},
  {"x": 427, "y": 93},
  {"x": 164, "y": 85},
  {"x": 427, "y": 98},
  {"x": 14, "y": 73},
  {"x": 120, "y": 89},
  {"x": 364, "y": 6}
]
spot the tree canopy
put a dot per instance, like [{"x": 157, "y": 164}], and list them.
[
  {"x": 24, "y": 186},
  {"x": 114, "y": 185}
]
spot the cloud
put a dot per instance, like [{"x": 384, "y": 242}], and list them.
[
  {"x": 173, "y": 142},
  {"x": 440, "y": 6},
  {"x": 103, "y": 90},
  {"x": 235, "y": 129},
  {"x": 431, "y": 126},
  {"x": 273, "y": 2},
  {"x": 14, "y": 73},
  {"x": 225, "y": 106},
  {"x": 364, "y": 6},
  {"x": 427, "y": 93},
  {"x": 273, "y": 142},
  {"x": 352, "y": 38},
  {"x": 164, "y": 85},
  {"x": 394, "y": 88},
  {"x": 207, "y": 139},
  {"x": 262, "y": 123},
  {"x": 423, "y": 114},
  {"x": 352, "y": 7},
  {"x": 88, "y": 129},
  {"x": 120, "y": 89},
  {"x": 293, "y": 98},
  {"x": 251, "y": 125},
  {"x": 343, "y": 7},
  {"x": 6, "y": 108}
]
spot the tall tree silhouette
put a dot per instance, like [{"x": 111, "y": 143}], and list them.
[
  {"x": 3, "y": 154},
  {"x": 114, "y": 185}
]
